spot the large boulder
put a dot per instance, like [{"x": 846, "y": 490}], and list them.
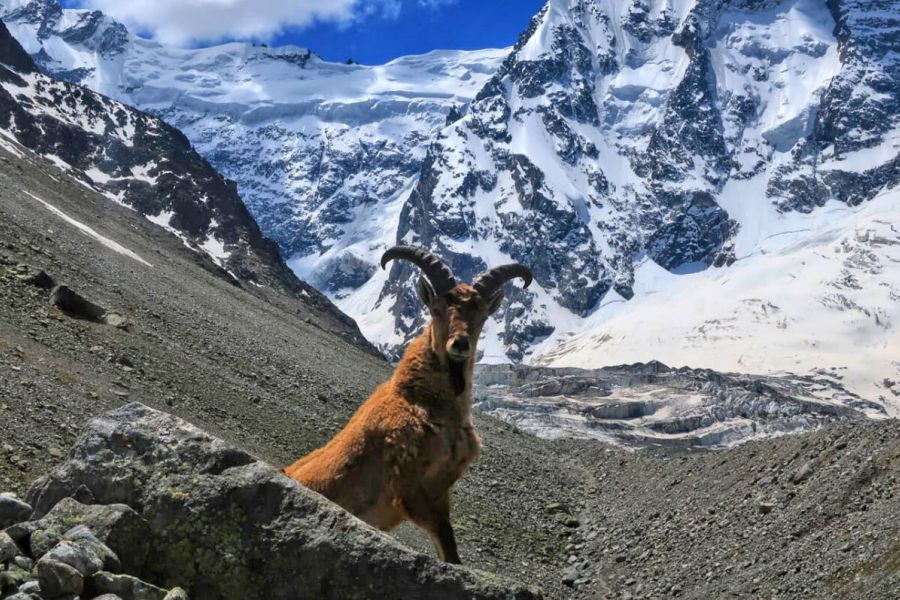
[{"x": 226, "y": 525}]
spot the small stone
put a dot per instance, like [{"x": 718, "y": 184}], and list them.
[
  {"x": 766, "y": 507},
  {"x": 12, "y": 577},
  {"x": 570, "y": 576},
  {"x": 84, "y": 537},
  {"x": 8, "y": 548},
  {"x": 115, "y": 320},
  {"x": 21, "y": 533},
  {"x": 12, "y": 510},
  {"x": 76, "y": 555},
  {"x": 125, "y": 586},
  {"x": 58, "y": 579},
  {"x": 42, "y": 541},
  {"x": 40, "y": 279},
  {"x": 557, "y": 507},
  {"x": 803, "y": 473},
  {"x": 84, "y": 495},
  {"x": 176, "y": 594},
  {"x": 30, "y": 587}
]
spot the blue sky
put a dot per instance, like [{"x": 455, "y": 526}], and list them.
[
  {"x": 466, "y": 24},
  {"x": 368, "y": 31}
]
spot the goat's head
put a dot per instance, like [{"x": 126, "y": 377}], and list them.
[{"x": 458, "y": 310}]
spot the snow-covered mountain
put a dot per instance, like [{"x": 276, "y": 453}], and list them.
[
  {"x": 674, "y": 171},
  {"x": 324, "y": 153},
  {"x": 701, "y": 182}
]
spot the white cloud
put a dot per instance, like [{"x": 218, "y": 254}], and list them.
[
  {"x": 179, "y": 22},
  {"x": 436, "y": 3}
]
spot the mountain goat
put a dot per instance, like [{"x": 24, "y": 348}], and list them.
[{"x": 406, "y": 446}]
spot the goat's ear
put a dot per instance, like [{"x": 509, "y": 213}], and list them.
[
  {"x": 426, "y": 292},
  {"x": 495, "y": 302}
]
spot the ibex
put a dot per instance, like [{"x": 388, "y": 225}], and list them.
[{"x": 406, "y": 446}]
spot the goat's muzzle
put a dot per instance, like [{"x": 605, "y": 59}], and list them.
[{"x": 458, "y": 348}]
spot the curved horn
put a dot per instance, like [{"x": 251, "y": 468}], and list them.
[
  {"x": 439, "y": 274},
  {"x": 489, "y": 282}
]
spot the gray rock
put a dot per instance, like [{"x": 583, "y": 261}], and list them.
[
  {"x": 115, "y": 320},
  {"x": 117, "y": 526},
  {"x": 21, "y": 533},
  {"x": 76, "y": 555},
  {"x": 803, "y": 473},
  {"x": 58, "y": 579},
  {"x": 8, "y": 548},
  {"x": 41, "y": 541},
  {"x": 31, "y": 587},
  {"x": 84, "y": 537},
  {"x": 176, "y": 594},
  {"x": 108, "y": 597},
  {"x": 234, "y": 527},
  {"x": 766, "y": 507},
  {"x": 19, "y": 596},
  {"x": 570, "y": 576},
  {"x": 126, "y": 587},
  {"x": 76, "y": 305},
  {"x": 40, "y": 278},
  {"x": 11, "y": 578},
  {"x": 12, "y": 510}
]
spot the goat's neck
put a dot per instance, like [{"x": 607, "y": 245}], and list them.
[{"x": 427, "y": 375}]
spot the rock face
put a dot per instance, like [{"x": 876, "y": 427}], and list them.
[
  {"x": 140, "y": 161},
  {"x": 616, "y": 133},
  {"x": 225, "y": 525}
]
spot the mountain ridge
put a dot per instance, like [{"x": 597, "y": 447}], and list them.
[{"x": 675, "y": 141}]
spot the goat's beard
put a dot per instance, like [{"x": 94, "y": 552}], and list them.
[{"x": 457, "y": 375}]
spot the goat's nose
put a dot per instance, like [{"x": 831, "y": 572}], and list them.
[{"x": 461, "y": 344}]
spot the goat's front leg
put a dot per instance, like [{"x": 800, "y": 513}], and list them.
[
  {"x": 445, "y": 542},
  {"x": 433, "y": 515}
]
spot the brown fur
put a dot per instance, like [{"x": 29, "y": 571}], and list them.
[{"x": 406, "y": 446}]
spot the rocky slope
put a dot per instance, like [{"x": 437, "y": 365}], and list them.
[
  {"x": 813, "y": 515},
  {"x": 141, "y": 162},
  {"x": 323, "y": 153},
  {"x": 259, "y": 369}
]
